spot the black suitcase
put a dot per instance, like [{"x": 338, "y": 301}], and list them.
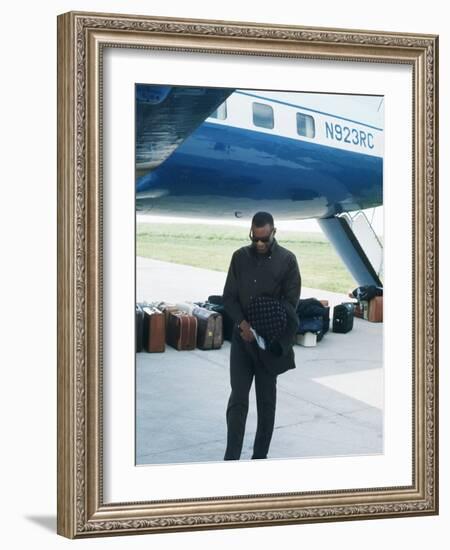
[
  {"x": 139, "y": 328},
  {"x": 343, "y": 318}
]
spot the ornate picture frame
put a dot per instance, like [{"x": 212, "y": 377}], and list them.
[{"x": 82, "y": 39}]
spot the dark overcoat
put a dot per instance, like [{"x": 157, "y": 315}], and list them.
[{"x": 275, "y": 274}]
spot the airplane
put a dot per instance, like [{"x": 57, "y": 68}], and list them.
[{"x": 227, "y": 153}]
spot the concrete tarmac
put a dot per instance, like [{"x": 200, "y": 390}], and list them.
[{"x": 331, "y": 404}]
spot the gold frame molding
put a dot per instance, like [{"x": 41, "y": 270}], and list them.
[{"x": 81, "y": 37}]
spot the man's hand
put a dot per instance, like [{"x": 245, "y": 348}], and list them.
[{"x": 246, "y": 333}]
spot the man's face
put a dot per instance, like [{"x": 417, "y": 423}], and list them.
[{"x": 264, "y": 233}]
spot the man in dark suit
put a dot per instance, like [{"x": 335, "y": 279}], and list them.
[{"x": 262, "y": 269}]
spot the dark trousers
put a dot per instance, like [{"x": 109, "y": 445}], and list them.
[{"x": 244, "y": 366}]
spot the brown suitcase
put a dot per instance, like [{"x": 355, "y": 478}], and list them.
[
  {"x": 154, "y": 330},
  {"x": 209, "y": 328},
  {"x": 218, "y": 332},
  {"x": 375, "y": 314},
  {"x": 182, "y": 331},
  {"x": 167, "y": 308}
]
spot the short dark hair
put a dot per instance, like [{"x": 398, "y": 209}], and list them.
[{"x": 260, "y": 219}]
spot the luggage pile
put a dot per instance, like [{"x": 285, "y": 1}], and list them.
[
  {"x": 369, "y": 305},
  {"x": 314, "y": 320},
  {"x": 183, "y": 326}
]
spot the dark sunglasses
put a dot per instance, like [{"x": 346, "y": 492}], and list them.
[{"x": 262, "y": 239}]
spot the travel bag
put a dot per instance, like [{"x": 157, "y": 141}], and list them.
[
  {"x": 154, "y": 330},
  {"x": 215, "y": 303},
  {"x": 209, "y": 328},
  {"x": 167, "y": 308},
  {"x": 181, "y": 331},
  {"x": 343, "y": 318},
  {"x": 313, "y": 316},
  {"x": 375, "y": 313},
  {"x": 139, "y": 328}
]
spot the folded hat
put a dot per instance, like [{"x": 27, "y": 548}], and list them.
[{"x": 268, "y": 317}]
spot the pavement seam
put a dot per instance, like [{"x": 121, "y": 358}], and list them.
[
  {"x": 315, "y": 437},
  {"x": 299, "y": 398},
  {"x": 183, "y": 448},
  {"x": 328, "y": 417}
]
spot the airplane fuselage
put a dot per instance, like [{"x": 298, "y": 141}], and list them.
[{"x": 295, "y": 162}]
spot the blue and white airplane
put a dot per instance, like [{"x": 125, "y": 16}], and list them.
[{"x": 225, "y": 153}]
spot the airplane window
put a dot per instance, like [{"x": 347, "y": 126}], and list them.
[
  {"x": 305, "y": 125},
  {"x": 221, "y": 112},
  {"x": 262, "y": 115}
]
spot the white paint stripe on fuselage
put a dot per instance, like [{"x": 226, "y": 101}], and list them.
[{"x": 330, "y": 130}]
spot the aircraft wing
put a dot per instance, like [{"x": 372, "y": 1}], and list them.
[{"x": 166, "y": 116}]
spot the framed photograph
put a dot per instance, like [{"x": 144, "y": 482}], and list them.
[{"x": 193, "y": 156}]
